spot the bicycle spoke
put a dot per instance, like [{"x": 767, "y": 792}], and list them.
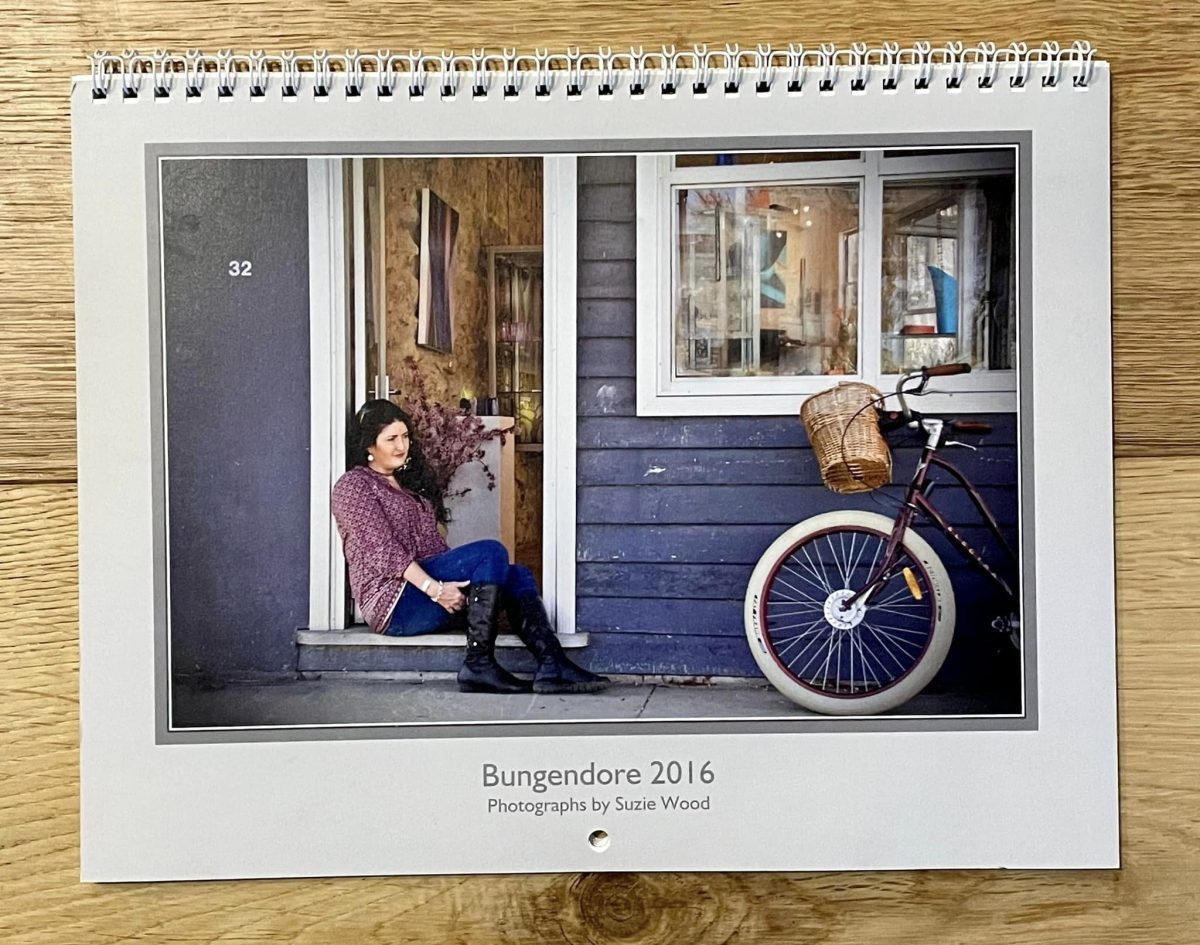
[
  {"x": 793, "y": 626},
  {"x": 858, "y": 557},
  {"x": 876, "y": 645},
  {"x": 794, "y": 610},
  {"x": 898, "y": 595},
  {"x": 837, "y": 684},
  {"x": 921, "y": 632},
  {"x": 898, "y": 610},
  {"x": 818, "y": 583},
  {"x": 818, "y": 573},
  {"x": 815, "y": 656},
  {"x": 901, "y": 644},
  {"x": 815, "y": 635},
  {"x": 863, "y": 653},
  {"x": 828, "y": 656},
  {"x": 851, "y": 635},
  {"x": 886, "y": 649},
  {"x": 837, "y": 563},
  {"x": 824, "y": 590},
  {"x": 817, "y": 570},
  {"x": 879, "y": 546}
]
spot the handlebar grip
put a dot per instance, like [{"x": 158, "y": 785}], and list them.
[
  {"x": 970, "y": 426},
  {"x": 945, "y": 370}
]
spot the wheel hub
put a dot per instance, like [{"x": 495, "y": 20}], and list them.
[{"x": 841, "y": 617}]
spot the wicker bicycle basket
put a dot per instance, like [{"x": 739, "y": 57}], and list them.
[{"x": 843, "y": 428}]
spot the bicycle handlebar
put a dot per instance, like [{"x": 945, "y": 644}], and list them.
[
  {"x": 924, "y": 373},
  {"x": 946, "y": 370}
]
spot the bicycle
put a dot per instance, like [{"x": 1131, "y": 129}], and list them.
[{"x": 849, "y": 587}]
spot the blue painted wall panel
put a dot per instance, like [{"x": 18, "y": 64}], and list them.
[{"x": 237, "y": 401}]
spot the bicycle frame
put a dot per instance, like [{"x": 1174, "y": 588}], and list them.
[{"x": 916, "y": 501}]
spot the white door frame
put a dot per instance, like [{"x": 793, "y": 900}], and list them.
[
  {"x": 338, "y": 369},
  {"x": 329, "y": 376},
  {"x": 560, "y": 343}
]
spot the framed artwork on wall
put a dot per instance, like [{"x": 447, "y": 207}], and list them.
[{"x": 439, "y": 234}]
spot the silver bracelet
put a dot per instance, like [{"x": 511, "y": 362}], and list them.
[{"x": 425, "y": 586}]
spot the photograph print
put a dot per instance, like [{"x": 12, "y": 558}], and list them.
[{"x": 809, "y": 511}]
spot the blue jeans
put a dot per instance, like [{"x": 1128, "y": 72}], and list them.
[{"x": 480, "y": 562}]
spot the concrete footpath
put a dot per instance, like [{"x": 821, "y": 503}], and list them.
[{"x": 357, "y": 700}]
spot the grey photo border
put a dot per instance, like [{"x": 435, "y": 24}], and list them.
[{"x": 165, "y": 734}]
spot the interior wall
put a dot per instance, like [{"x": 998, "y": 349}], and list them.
[{"x": 499, "y": 203}]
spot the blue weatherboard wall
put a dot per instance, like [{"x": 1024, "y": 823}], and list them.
[{"x": 673, "y": 513}]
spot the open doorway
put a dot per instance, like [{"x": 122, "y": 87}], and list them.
[{"x": 444, "y": 285}]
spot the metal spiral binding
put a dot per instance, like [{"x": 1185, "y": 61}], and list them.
[{"x": 603, "y": 72}]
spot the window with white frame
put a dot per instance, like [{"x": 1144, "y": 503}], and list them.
[{"x": 763, "y": 278}]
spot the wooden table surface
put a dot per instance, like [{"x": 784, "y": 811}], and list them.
[{"x": 1155, "y": 898}]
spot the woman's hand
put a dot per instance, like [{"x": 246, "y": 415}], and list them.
[{"x": 451, "y": 597}]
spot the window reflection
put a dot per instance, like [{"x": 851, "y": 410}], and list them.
[
  {"x": 948, "y": 273},
  {"x": 766, "y": 280}
]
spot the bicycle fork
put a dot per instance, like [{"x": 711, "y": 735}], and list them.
[{"x": 916, "y": 501}]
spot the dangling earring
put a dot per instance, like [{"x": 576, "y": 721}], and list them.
[{"x": 404, "y": 465}]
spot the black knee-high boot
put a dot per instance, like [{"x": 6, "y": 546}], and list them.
[
  {"x": 480, "y": 672},
  {"x": 555, "y": 671}
]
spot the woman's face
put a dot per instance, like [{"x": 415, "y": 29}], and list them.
[{"x": 391, "y": 447}]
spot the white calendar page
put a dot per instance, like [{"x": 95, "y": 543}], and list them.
[{"x": 641, "y": 266}]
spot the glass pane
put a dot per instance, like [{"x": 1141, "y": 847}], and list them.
[
  {"x": 948, "y": 273},
  {"x": 372, "y": 233},
  {"x": 765, "y": 157},
  {"x": 766, "y": 280},
  {"x": 518, "y": 292}
]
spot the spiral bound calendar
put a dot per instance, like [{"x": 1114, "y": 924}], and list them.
[{"x": 649, "y": 459}]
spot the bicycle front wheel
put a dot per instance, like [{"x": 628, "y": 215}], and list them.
[{"x": 838, "y": 658}]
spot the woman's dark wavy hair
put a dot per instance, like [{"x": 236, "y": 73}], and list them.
[{"x": 416, "y": 476}]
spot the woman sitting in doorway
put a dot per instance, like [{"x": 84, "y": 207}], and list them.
[{"x": 408, "y": 581}]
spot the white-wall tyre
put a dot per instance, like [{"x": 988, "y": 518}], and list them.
[{"x": 788, "y": 583}]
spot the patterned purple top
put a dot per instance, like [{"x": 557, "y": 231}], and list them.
[{"x": 384, "y": 530}]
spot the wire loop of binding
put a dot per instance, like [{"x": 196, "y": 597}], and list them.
[
  {"x": 322, "y": 74},
  {"x": 417, "y": 72},
  {"x": 512, "y": 73},
  {"x": 701, "y": 64},
  {"x": 795, "y": 61},
  {"x": 638, "y": 73},
  {"x": 290, "y": 69},
  {"x": 354, "y": 73},
  {"x": 764, "y": 67},
  {"x": 226, "y": 73},
  {"x": 259, "y": 73},
  {"x": 131, "y": 79},
  {"x": 670, "y": 71},
  {"x": 955, "y": 64},
  {"x": 607, "y": 72},
  {"x": 602, "y": 71},
  {"x": 891, "y": 59},
  {"x": 732, "y": 60},
  {"x": 574, "y": 73},
  {"x": 194, "y": 73},
  {"x": 386, "y": 86}
]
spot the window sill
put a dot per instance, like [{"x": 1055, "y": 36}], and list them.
[{"x": 766, "y": 405}]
